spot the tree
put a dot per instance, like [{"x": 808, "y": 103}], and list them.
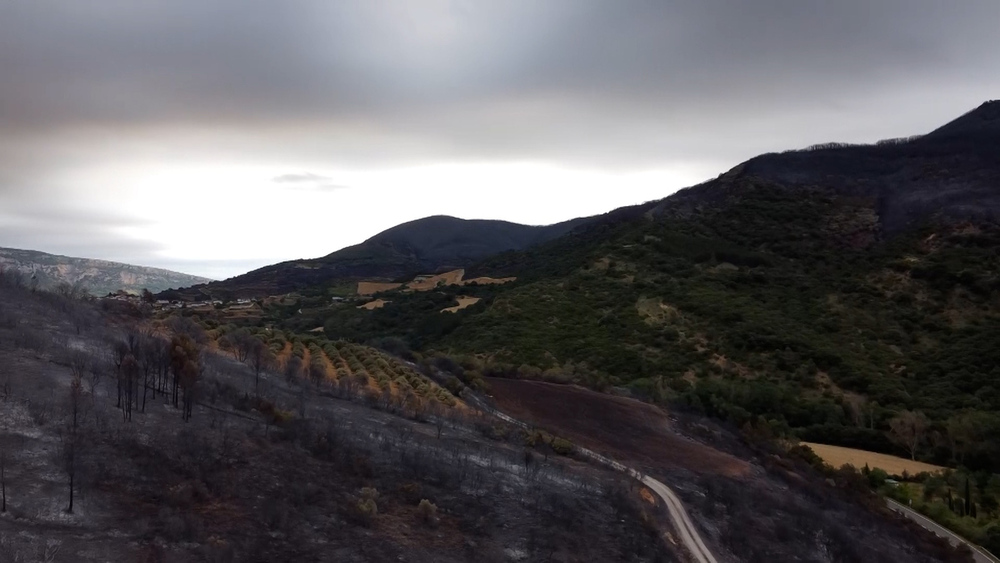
[
  {"x": 242, "y": 344},
  {"x": 968, "y": 497},
  {"x": 261, "y": 358},
  {"x": 908, "y": 429},
  {"x": 186, "y": 367},
  {"x": 3, "y": 476},
  {"x": 961, "y": 435},
  {"x": 857, "y": 408},
  {"x": 71, "y": 437},
  {"x": 293, "y": 368},
  {"x": 128, "y": 375}
]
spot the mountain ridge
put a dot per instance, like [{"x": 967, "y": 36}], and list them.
[
  {"x": 423, "y": 246},
  {"x": 803, "y": 291},
  {"x": 98, "y": 276}
]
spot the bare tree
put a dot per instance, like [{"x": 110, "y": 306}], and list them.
[
  {"x": 261, "y": 358},
  {"x": 293, "y": 368},
  {"x": 129, "y": 376},
  {"x": 241, "y": 343},
  {"x": 908, "y": 429},
  {"x": 94, "y": 377},
  {"x": 856, "y": 406},
  {"x": 3, "y": 476},
  {"x": 119, "y": 351},
  {"x": 71, "y": 437},
  {"x": 186, "y": 366}
]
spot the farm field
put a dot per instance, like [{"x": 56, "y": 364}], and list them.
[
  {"x": 427, "y": 283},
  {"x": 837, "y": 456},
  {"x": 372, "y": 305},
  {"x": 463, "y": 302},
  {"x": 371, "y": 288}
]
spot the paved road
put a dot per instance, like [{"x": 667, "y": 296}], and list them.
[
  {"x": 682, "y": 522},
  {"x": 978, "y": 553}
]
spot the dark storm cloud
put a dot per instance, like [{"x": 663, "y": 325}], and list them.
[
  {"x": 601, "y": 84},
  {"x": 506, "y": 79}
]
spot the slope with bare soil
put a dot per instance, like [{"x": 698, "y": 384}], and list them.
[
  {"x": 625, "y": 429},
  {"x": 303, "y": 472},
  {"x": 746, "y": 503}
]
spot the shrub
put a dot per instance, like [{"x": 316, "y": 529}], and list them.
[
  {"x": 562, "y": 446},
  {"x": 427, "y": 513},
  {"x": 364, "y": 509}
]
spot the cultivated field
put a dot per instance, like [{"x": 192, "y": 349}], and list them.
[
  {"x": 427, "y": 283},
  {"x": 463, "y": 302},
  {"x": 371, "y": 288},
  {"x": 489, "y": 281},
  {"x": 838, "y": 456},
  {"x": 372, "y": 305}
]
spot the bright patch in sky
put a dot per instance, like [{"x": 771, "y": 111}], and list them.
[{"x": 254, "y": 213}]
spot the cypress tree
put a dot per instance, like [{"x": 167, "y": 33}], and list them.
[{"x": 968, "y": 497}]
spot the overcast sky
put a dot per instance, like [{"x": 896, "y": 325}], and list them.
[{"x": 214, "y": 137}]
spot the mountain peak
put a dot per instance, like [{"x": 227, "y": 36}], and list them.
[{"x": 985, "y": 119}]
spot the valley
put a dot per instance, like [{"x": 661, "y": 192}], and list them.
[{"x": 706, "y": 341}]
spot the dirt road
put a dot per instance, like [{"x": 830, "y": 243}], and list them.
[{"x": 682, "y": 522}]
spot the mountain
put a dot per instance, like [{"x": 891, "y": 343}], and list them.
[
  {"x": 818, "y": 292},
  {"x": 423, "y": 246},
  {"x": 99, "y": 277}
]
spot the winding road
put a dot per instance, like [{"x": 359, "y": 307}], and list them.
[
  {"x": 688, "y": 534},
  {"x": 979, "y": 554}
]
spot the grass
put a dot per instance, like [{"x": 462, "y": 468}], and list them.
[{"x": 837, "y": 456}]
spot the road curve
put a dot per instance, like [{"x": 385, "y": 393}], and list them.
[
  {"x": 682, "y": 522},
  {"x": 979, "y": 554}
]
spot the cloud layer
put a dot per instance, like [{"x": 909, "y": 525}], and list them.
[{"x": 621, "y": 87}]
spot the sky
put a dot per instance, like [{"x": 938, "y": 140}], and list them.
[{"x": 217, "y": 137}]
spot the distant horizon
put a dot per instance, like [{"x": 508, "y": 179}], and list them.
[{"x": 216, "y": 139}]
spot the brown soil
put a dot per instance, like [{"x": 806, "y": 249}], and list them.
[
  {"x": 489, "y": 281},
  {"x": 625, "y": 429},
  {"x": 463, "y": 302},
  {"x": 372, "y": 305},
  {"x": 371, "y": 288},
  {"x": 838, "y": 456},
  {"x": 427, "y": 283}
]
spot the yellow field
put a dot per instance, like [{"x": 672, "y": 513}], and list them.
[
  {"x": 372, "y": 305},
  {"x": 463, "y": 302},
  {"x": 838, "y": 456},
  {"x": 488, "y": 281},
  {"x": 427, "y": 283},
  {"x": 371, "y": 288}
]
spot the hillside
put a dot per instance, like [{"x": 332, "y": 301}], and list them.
[
  {"x": 275, "y": 446},
  {"x": 423, "y": 246},
  {"x": 820, "y": 293},
  {"x": 99, "y": 277}
]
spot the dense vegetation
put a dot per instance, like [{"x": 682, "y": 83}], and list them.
[{"x": 766, "y": 304}]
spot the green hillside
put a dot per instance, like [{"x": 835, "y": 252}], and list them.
[{"x": 818, "y": 293}]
